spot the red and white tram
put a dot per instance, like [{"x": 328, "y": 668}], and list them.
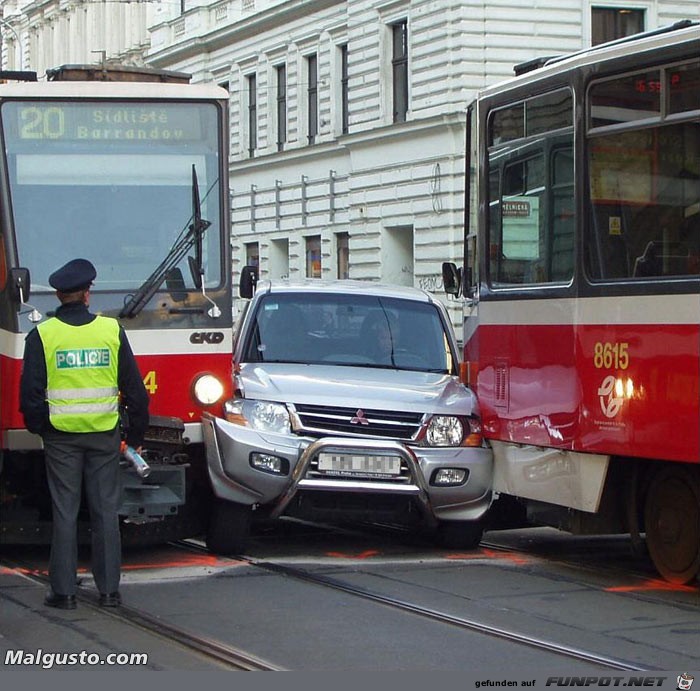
[
  {"x": 128, "y": 168},
  {"x": 581, "y": 287}
]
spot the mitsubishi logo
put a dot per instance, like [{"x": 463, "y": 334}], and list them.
[{"x": 359, "y": 418}]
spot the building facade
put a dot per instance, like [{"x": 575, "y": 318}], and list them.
[
  {"x": 43, "y": 34},
  {"x": 347, "y": 117}
]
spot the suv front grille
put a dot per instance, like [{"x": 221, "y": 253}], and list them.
[{"x": 316, "y": 420}]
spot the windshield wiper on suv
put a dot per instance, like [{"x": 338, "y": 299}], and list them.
[{"x": 183, "y": 244}]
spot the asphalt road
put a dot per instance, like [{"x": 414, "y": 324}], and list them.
[{"x": 520, "y": 608}]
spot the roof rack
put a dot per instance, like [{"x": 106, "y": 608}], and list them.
[
  {"x": 114, "y": 73},
  {"x": 534, "y": 64}
]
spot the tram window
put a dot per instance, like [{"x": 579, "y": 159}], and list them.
[
  {"x": 684, "y": 88},
  {"x": 625, "y": 99},
  {"x": 532, "y": 215},
  {"x": 522, "y": 215},
  {"x": 537, "y": 115},
  {"x": 645, "y": 203},
  {"x": 549, "y": 112},
  {"x": 507, "y": 124}
]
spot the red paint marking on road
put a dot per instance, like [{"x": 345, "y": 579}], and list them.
[
  {"x": 361, "y": 555},
  {"x": 194, "y": 560},
  {"x": 190, "y": 561},
  {"x": 490, "y": 554},
  {"x": 23, "y": 570},
  {"x": 653, "y": 584},
  {"x": 6, "y": 570}
]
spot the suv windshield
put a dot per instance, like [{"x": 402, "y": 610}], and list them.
[
  {"x": 116, "y": 179},
  {"x": 351, "y": 330}
]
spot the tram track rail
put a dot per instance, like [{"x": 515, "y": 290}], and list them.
[
  {"x": 576, "y": 654},
  {"x": 231, "y": 658}
]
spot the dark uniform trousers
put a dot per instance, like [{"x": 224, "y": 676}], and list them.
[{"x": 94, "y": 456}]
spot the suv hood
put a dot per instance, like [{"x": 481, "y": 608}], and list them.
[{"x": 356, "y": 387}]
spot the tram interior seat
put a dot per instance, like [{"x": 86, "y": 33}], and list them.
[
  {"x": 610, "y": 257},
  {"x": 656, "y": 261}
]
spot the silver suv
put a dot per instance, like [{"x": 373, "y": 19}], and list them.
[{"x": 347, "y": 404}]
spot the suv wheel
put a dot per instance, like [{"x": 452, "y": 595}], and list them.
[
  {"x": 229, "y": 527},
  {"x": 459, "y": 534}
]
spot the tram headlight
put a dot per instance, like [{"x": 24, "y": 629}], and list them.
[
  {"x": 207, "y": 389},
  {"x": 451, "y": 430},
  {"x": 264, "y": 416}
]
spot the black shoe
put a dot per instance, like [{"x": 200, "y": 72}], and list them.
[
  {"x": 60, "y": 601},
  {"x": 110, "y": 600}
]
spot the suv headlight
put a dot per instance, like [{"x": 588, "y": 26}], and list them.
[
  {"x": 452, "y": 430},
  {"x": 263, "y": 416}
]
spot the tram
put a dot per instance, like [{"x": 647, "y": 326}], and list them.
[
  {"x": 128, "y": 168},
  {"x": 581, "y": 292}
]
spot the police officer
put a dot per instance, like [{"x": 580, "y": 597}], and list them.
[{"x": 78, "y": 367}]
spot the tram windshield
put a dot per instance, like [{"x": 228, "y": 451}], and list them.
[
  {"x": 111, "y": 182},
  {"x": 644, "y": 174}
]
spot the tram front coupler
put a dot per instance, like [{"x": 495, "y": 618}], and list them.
[{"x": 154, "y": 483}]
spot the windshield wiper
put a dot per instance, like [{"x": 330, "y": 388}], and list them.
[{"x": 183, "y": 244}]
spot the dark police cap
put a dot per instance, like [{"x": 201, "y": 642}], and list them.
[{"x": 77, "y": 274}]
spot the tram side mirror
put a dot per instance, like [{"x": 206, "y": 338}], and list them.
[
  {"x": 20, "y": 288},
  {"x": 175, "y": 283},
  {"x": 451, "y": 278},
  {"x": 249, "y": 279},
  {"x": 20, "y": 284}
]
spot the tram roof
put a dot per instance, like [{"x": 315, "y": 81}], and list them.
[
  {"x": 684, "y": 32},
  {"x": 121, "y": 90}
]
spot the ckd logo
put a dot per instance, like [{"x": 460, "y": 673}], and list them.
[
  {"x": 212, "y": 337},
  {"x": 610, "y": 403}
]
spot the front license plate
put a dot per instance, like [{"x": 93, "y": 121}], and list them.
[{"x": 351, "y": 464}]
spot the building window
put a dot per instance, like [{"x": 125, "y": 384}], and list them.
[
  {"x": 342, "y": 250},
  {"x": 313, "y": 256},
  {"x": 312, "y": 95},
  {"x": 252, "y": 254},
  {"x": 281, "y": 106},
  {"x": 344, "y": 91},
  {"x": 278, "y": 258},
  {"x": 609, "y": 23},
  {"x": 252, "y": 115},
  {"x": 399, "y": 67}
]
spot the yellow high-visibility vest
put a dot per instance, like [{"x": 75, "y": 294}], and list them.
[{"x": 81, "y": 371}]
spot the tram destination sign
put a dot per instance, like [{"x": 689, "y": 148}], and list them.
[{"x": 57, "y": 121}]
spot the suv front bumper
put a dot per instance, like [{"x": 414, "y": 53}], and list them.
[{"x": 229, "y": 448}]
